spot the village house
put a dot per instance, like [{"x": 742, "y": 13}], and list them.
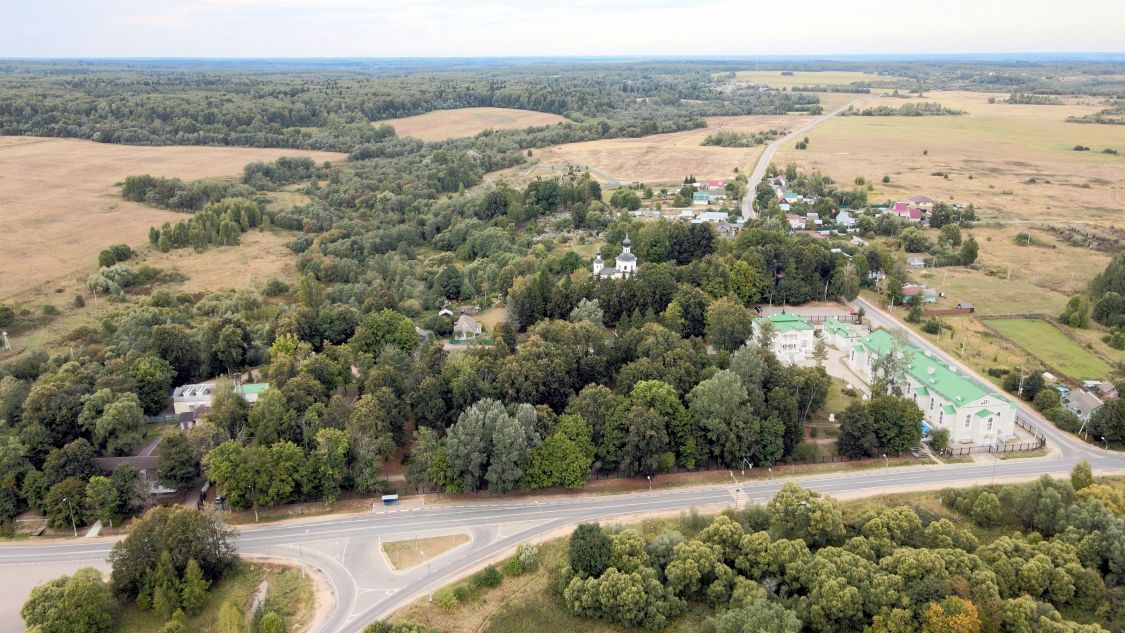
[
  {"x": 703, "y": 197},
  {"x": 189, "y": 398},
  {"x": 973, "y": 412},
  {"x": 915, "y": 261},
  {"x": 716, "y": 185},
  {"x": 626, "y": 263},
  {"x": 927, "y": 295},
  {"x": 795, "y": 221},
  {"x": 845, "y": 219},
  {"x": 923, "y": 203},
  {"x": 793, "y": 338},
  {"x": 906, "y": 212},
  {"x": 1082, "y": 403},
  {"x": 466, "y": 328},
  {"x": 713, "y": 217}
]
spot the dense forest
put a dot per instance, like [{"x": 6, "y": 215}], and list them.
[{"x": 1039, "y": 557}]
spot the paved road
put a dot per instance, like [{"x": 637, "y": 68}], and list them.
[
  {"x": 346, "y": 549},
  {"x": 759, "y": 172}
]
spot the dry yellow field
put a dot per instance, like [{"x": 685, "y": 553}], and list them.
[
  {"x": 665, "y": 158},
  {"x": 774, "y": 78},
  {"x": 445, "y": 124},
  {"x": 61, "y": 205},
  {"x": 1002, "y": 147}
]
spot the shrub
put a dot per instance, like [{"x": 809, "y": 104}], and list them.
[
  {"x": 50, "y": 310},
  {"x": 275, "y": 287},
  {"x": 986, "y": 510},
  {"x": 445, "y": 599},
  {"x": 487, "y": 578},
  {"x": 939, "y": 440},
  {"x": 462, "y": 593},
  {"x": 886, "y": 179},
  {"x": 79, "y": 302}
]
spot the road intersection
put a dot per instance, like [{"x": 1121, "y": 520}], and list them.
[{"x": 345, "y": 548}]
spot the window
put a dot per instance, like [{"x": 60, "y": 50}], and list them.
[
  {"x": 941, "y": 418},
  {"x": 967, "y": 421},
  {"x": 931, "y": 404},
  {"x": 989, "y": 424}
]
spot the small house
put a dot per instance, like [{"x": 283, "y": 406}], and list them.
[
  {"x": 189, "y": 398},
  {"x": 701, "y": 197},
  {"x": 445, "y": 312},
  {"x": 466, "y": 328},
  {"x": 845, "y": 219},
  {"x": 716, "y": 185},
  {"x": 714, "y": 216},
  {"x": 915, "y": 261},
  {"x": 795, "y": 221},
  {"x": 1082, "y": 403},
  {"x": 923, "y": 203},
  {"x": 927, "y": 295}
]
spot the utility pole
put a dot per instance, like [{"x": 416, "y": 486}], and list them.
[{"x": 73, "y": 524}]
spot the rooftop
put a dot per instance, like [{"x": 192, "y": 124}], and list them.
[
  {"x": 786, "y": 322},
  {"x": 936, "y": 376}
]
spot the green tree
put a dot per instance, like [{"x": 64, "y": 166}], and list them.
[
  {"x": 798, "y": 513},
  {"x": 897, "y": 422},
  {"x": 184, "y": 533},
  {"x": 382, "y": 328},
  {"x": 509, "y": 454},
  {"x": 165, "y": 587},
  {"x": 152, "y": 376},
  {"x": 1077, "y": 312},
  {"x": 1048, "y": 400},
  {"x": 857, "y": 436},
  {"x": 81, "y": 603},
  {"x": 761, "y": 616},
  {"x": 193, "y": 590},
  {"x": 646, "y": 440},
  {"x": 1108, "y": 420},
  {"x": 449, "y": 282},
  {"x": 231, "y": 619},
  {"x": 1082, "y": 475},
  {"x": 177, "y": 467},
  {"x": 969, "y": 250},
  {"x": 728, "y": 324},
  {"x": 101, "y": 502},
  {"x": 590, "y": 550},
  {"x": 331, "y": 459},
  {"x": 986, "y": 510},
  {"x": 64, "y": 503},
  {"x": 587, "y": 310}
]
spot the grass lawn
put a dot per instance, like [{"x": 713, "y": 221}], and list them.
[
  {"x": 1053, "y": 347},
  {"x": 290, "y": 595},
  {"x": 409, "y": 553}
]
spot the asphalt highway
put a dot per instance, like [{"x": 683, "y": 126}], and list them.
[
  {"x": 759, "y": 171},
  {"x": 346, "y": 548}
]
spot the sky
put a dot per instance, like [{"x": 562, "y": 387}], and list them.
[{"x": 468, "y": 28}]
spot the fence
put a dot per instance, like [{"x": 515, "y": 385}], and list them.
[
  {"x": 946, "y": 312},
  {"x": 1040, "y": 442},
  {"x": 158, "y": 419}
]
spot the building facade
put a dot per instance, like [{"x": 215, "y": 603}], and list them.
[
  {"x": 625, "y": 264},
  {"x": 973, "y": 412},
  {"x": 793, "y": 337}
]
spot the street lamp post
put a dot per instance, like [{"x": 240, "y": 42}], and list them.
[
  {"x": 886, "y": 460},
  {"x": 301, "y": 553},
  {"x": 649, "y": 478},
  {"x": 73, "y": 524},
  {"x": 1106, "y": 442}
]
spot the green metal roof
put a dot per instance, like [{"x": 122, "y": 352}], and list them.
[
  {"x": 984, "y": 413},
  {"x": 786, "y": 322},
  {"x": 836, "y": 327},
  {"x": 922, "y": 391},
  {"x": 936, "y": 376},
  {"x": 950, "y": 409}
]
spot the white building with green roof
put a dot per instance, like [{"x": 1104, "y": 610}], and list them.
[
  {"x": 974, "y": 413},
  {"x": 793, "y": 338},
  {"x": 838, "y": 334}
]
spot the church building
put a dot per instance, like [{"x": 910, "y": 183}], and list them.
[{"x": 626, "y": 264}]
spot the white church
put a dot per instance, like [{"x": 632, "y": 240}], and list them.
[{"x": 626, "y": 264}]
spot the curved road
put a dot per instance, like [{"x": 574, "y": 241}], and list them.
[
  {"x": 346, "y": 548},
  {"x": 759, "y": 172}
]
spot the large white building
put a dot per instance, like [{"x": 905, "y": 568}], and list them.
[
  {"x": 793, "y": 338},
  {"x": 626, "y": 263},
  {"x": 974, "y": 413}
]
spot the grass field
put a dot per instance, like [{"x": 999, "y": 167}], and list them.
[
  {"x": 290, "y": 593},
  {"x": 1002, "y": 147},
  {"x": 662, "y": 158},
  {"x": 413, "y": 552},
  {"x": 1053, "y": 347},
  {"x": 61, "y": 206},
  {"x": 444, "y": 124},
  {"x": 774, "y": 78}
]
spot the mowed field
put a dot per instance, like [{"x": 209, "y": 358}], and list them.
[
  {"x": 61, "y": 203},
  {"x": 661, "y": 158},
  {"x": 774, "y": 78},
  {"x": 1014, "y": 162},
  {"x": 445, "y": 124},
  {"x": 1053, "y": 347}
]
